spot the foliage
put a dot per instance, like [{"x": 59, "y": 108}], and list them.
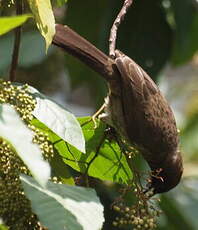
[
  {"x": 99, "y": 151},
  {"x": 37, "y": 134},
  {"x": 9, "y": 23},
  {"x": 44, "y": 18},
  {"x": 21, "y": 141},
  {"x": 18, "y": 139},
  {"x": 68, "y": 207}
]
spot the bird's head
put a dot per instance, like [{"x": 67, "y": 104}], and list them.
[{"x": 169, "y": 174}]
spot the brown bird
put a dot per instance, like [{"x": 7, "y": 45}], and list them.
[
  {"x": 135, "y": 107},
  {"x": 149, "y": 123}
]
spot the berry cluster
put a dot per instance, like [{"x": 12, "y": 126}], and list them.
[
  {"x": 141, "y": 215},
  {"x": 19, "y": 98},
  {"x": 24, "y": 103},
  {"x": 41, "y": 139},
  {"x": 15, "y": 208}
]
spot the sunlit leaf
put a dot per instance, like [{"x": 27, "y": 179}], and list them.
[
  {"x": 16, "y": 132},
  {"x": 9, "y": 23},
  {"x": 59, "y": 168},
  {"x": 60, "y": 206},
  {"x": 43, "y": 14},
  {"x": 59, "y": 120},
  {"x": 2, "y": 226},
  {"x": 107, "y": 160}
]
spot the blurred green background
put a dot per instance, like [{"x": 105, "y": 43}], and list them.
[{"x": 161, "y": 36}]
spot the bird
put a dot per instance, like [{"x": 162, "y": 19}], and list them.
[
  {"x": 149, "y": 123},
  {"x": 135, "y": 107}
]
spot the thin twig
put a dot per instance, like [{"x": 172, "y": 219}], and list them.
[
  {"x": 114, "y": 28},
  {"x": 17, "y": 40}
]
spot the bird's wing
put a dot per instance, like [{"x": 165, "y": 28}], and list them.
[{"x": 135, "y": 76}]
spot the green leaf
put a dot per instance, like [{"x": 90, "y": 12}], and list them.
[
  {"x": 20, "y": 137},
  {"x": 61, "y": 170},
  {"x": 2, "y": 226},
  {"x": 59, "y": 120},
  {"x": 43, "y": 14},
  {"x": 108, "y": 164},
  {"x": 9, "y": 23},
  {"x": 64, "y": 207}
]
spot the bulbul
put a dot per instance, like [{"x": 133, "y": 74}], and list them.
[
  {"x": 135, "y": 107},
  {"x": 149, "y": 123}
]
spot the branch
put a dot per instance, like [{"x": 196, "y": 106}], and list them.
[
  {"x": 114, "y": 28},
  {"x": 17, "y": 40}
]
